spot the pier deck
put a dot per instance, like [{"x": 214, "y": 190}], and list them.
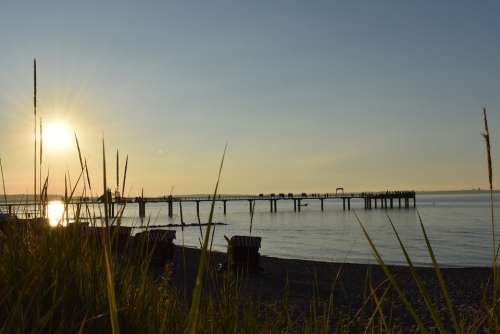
[{"x": 372, "y": 200}]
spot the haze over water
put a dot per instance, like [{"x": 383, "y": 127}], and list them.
[{"x": 458, "y": 225}]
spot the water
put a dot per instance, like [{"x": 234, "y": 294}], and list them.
[{"x": 458, "y": 225}]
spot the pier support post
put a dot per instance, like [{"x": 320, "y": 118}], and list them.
[
  {"x": 322, "y": 205},
  {"x": 225, "y": 202},
  {"x": 299, "y": 206},
  {"x": 250, "y": 205},
  {"x": 343, "y": 204},
  {"x": 399, "y": 200},
  {"x": 348, "y": 204},
  {"x": 294, "y": 205},
  {"x": 271, "y": 205},
  {"x": 10, "y": 209},
  {"x": 391, "y": 203},
  {"x": 414, "y": 202},
  {"x": 275, "y": 205},
  {"x": 375, "y": 202},
  {"x": 198, "y": 209}
]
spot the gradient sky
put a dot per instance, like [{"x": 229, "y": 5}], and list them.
[{"x": 310, "y": 95}]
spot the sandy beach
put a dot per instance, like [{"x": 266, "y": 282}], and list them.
[{"x": 300, "y": 278}]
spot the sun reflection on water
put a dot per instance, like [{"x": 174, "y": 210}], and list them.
[{"x": 55, "y": 211}]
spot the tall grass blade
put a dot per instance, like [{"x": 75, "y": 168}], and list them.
[
  {"x": 34, "y": 112},
  {"x": 194, "y": 312},
  {"x": 3, "y": 182},
  {"x": 117, "y": 171},
  {"x": 124, "y": 176},
  {"x": 392, "y": 280},
  {"x": 113, "y": 309},
  {"x": 486, "y": 136},
  {"x": 420, "y": 284},
  {"x": 439, "y": 275}
]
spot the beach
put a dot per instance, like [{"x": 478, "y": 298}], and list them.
[{"x": 301, "y": 280}]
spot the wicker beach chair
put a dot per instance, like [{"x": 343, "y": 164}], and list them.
[
  {"x": 119, "y": 236},
  {"x": 243, "y": 253},
  {"x": 160, "y": 242}
]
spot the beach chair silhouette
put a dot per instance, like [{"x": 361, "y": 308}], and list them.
[
  {"x": 160, "y": 243},
  {"x": 243, "y": 253}
]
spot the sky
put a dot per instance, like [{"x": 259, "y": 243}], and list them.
[{"x": 308, "y": 95}]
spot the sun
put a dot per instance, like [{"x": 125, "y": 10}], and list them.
[{"x": 57, "y": 136}]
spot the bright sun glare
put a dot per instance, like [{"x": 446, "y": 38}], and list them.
[
  {"x": 57, "y": 136},
  {"x": 55, "y": 213}
]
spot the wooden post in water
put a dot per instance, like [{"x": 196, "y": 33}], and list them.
[
  {"x": 299, "y": 206},
  {"x": 271, "y": 205},
  {"x": 294, "y": 205},
  {"x": 343, "y": 203},
  {"x": 180, "y": 212},
  {"x": 170, "y": 207},
  {"x": 275, "y": 205},
  {"x": 322, "y": 207},
  {"x": 142, "y": 208},
  {"x": 198, "y": 209},
  {"x": 391, "y": 203},
  {"x": 225, "y": 202},
  {"x": 399, "y": 200},
  {"x": 349, "y": 204}
]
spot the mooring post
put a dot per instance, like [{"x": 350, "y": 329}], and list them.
[
  {"x": 225, "y": 202},
  {"x": 322, "y": 207},
  {"x": 142, "y": 208},
  {"x": 180, "y": 212},
  {"x": 170, "y": 207}
]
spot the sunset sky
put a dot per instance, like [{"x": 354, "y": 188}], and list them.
[{"x": 309, "y": 95}]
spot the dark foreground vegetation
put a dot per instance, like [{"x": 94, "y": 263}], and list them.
[
  {"x": 53, "y": 280},
  {"x": 58, "y": 280}
]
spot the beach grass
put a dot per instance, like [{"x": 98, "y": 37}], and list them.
[{"x": 53, "y": 280}]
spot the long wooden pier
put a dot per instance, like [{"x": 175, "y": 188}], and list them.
[{"x": 372, "y": 200}]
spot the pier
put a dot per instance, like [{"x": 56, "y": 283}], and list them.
[{"x": 371, "y": 200}]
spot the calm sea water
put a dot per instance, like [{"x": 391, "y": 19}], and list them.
[{"x": 458, "y": 225}]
